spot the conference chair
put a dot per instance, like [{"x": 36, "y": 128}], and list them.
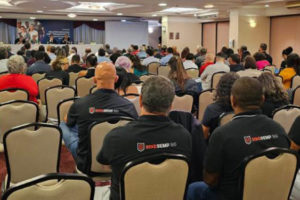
[
  {"x": 269, "y": 174},
  {"x": 63, "y": 108},
  {"x": 136, "y": 102},
  {"x": 286, "y": 116},
  {"x": 206, "y": 97},
  {"x": 164, "y": 71},
  {"x": 53, "y": 96},
  {"x": 153, "y": 68},
  {"x": 97, "y": 132},
  {"x": 3, "y": 73},
  {"x": 271, "y": 68},
  {"x": 29, "y": 153},
  {"x": 225, "y": 118},
  {"x": 38, "y": 76},
  {"x": 55, "y": 186},
  {"x": 45, "y": 83},
  {"x": 132, "y": 91},
  {"x": 215, "y": 79},
  {"x": 193, "y": 73},
  {"x": 296, "y": 96},
  {"x": 279, "y": 79},
  {"x": 295, "y": 82},
  {"x": 183, "y": 103},
  {"x": 160, "y": 176},
  {"x": 145, "y": 77},
  {"x": 73, "y": 77},
  {"x": 11, "y": 94},
  {"x": 16, "y": 113},
  {"x": 93, "y": 89},
  {"x": 83, "y": 86}
]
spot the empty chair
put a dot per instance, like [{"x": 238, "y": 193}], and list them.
[
  {"x": 166, "y": 179},
  {"x": 205, "y": 98},
  {"x": 153, "y": 68},
  {"x": 295, "y": 82},
  {"x": 83, "y": 86},
  {"x": 11, "y": 94},
  {"x": 225, "y": 118},
  {"x": 53, "y": 96},
  {"x": 193, "y": 73},
  {"x": 216, "y": 78},
  {"x": 37, "y": 76},
  {"x": 266, "y": 177},
  {"x": 73, "y": 76},
  {"x": 63, "y": 108},
  {"x": 183, "y": 103},
  {"x": 16, "y": 113},
  {"x": 44, "y": 84},
  {"x": 63, "y": 187},
  {"x": 145, "y": 77},
  {"x": 30, "y": 153},
  {"x": 164, "y": 71},
  {"x": 286, "y": 116}
]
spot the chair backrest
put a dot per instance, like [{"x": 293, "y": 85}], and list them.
[
  {"x": 136, "y": 102},
  {"x": 73, "y": 76},
  {"x": 45, "y": 84},
  {"x": 225, "y": 118},
  {"x": 295, "y": 82},
  {"x": 140, "y": 178},
  {"x": 93, "y": 89},
  {"x": 16, "y": 113},
  {"x": 153, "y": 68},
  {"x": 216, "y": 78},
  {"x": 205, "y": 98},
  {"x": 53, "y": 186},
  {"x": 145, "y": 77},
  {"x": 296, "y": 96},
  {"x": 98, "y": 131},
  {"x": 30, "y": 153},
  {"x": 53, "y": 96},
  {"x": 132, "y": 92},
  {"x": 83, "y": 86},
  {"x": 269, "y": 178},
  {"x": 279, "y": 79},
  {"x": 63, "y": 108},
  {"x": 164, "y": 71},
  {"x": 286, "y": 116},
  {"x": 193, "y": 73},
  {"x": 37, "y": 76},
  {"x": 11, "y": 94},
  {"x": 183, "y": 103}
]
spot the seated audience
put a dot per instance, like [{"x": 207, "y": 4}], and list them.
[
  {"x": 292, "y": 69},
  {"x": 285, "y": 53},
  {"x": 241, "y": 51},
  {"x": 47, "y": 58},
  {"x": 219, "y": 66},
  {"x": 142, "y": 54},
  {"x": 114, "y": 57},
  {"x": 32, "y": 59},
  {"x": 184, "y": 53},
  {"x": 80, "y": 116},
  {"x": 51, "y": 40},
  {"x": 51, "y": 52},
  {"x": 138, "y": 68},
  {"x": 57, "y": 71},
  {"x": 39, "y": 66},
  {"x": 3, "y": 59},
  {"x": 102, "y": 57},
  {"x": 175, "y": 52},
  {"x": 150, "y": 58},
  {"x": 17, "y": 79},
  {"x": 164, "y": 61},
  {"x": 275, "y": 95},
  {"x": 250, "y": 68},
  {"x": 263, "y": 49},
  {"x": 200, "y": 59},
  {"x": 234, "y": 63},
  {"x": 209, "y": 60},
  {"x": 125, "y": 62},
  {"x": 261, "y": 61},
  {"x": 75, "y": 67},
  {"x": 107, "y": 49},
  {"x": 123, "y": 81},
  {"x": 135, "y": 50},
  {"x": 73, "y": 52},
  {"x": 221, "y": 105},
  {"x": 189, "y": 62},
  {"x": 182, "y": 82},
  {"x": 153, "y": 127},
  {"x": 91, "y": 63},
  {"x": 230, "y": 144}
]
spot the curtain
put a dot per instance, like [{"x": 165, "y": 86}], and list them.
[
  {"x": 85, "y": 34},
  {"x": 7, "y": 33},
  {"x": 94, "y": 25}
]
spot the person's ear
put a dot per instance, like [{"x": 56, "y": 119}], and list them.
[
  {"x": 95, "y": 79},
  {"x": 233, "y": 101},
  {"x": 263, "y": 98},
  {"x": 116, "y": 78}
]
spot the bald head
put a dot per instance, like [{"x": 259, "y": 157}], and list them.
[{"x": 105, "y": 75}]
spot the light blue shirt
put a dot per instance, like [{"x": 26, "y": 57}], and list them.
[
  {"x": 103, "y": 59},
  {"x": 149, "y": 60},
  {"x": 142, "y": 54},
  {"x": 165, "y": 60}
]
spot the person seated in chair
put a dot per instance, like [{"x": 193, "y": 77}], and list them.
[{"x": 141, "y": 138}]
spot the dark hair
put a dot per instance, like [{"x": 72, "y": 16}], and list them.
[
  {"x": 3, "y": 53},
  {"x": 287, "y": 51},
  {"x": 150, "y": 52},
  {"x": 75, "y": 49},
  {"x": 107, "y": 46},
  {"x": 248, "y": 93},
  {"x": 20, "y": 53},
  {"x": 259, "y": 56},
  {"x": 190, "y": 56},
  {"x": 263, "y": 46},
  {"x": 293, "y": 60},
  {"x": 41, "y": 48},
  {"x": 203, "y": 51},
  {"x": 224, "y": 50},
  {"x": 76, "y": 58},
  {"x": 92, "y": 60},
  {"x": 157, "y": 94},
  {"x": 250, "y": 63},
  {"x": 52, "y": 49},
  {"x": 221, "y": 55},
  {"x": 223, "y": 90},
  {"x": 33, "y": 52},
  {"x": 39, "y": 55},
  {"x": 137, "y": 63},
  {"x": 123, "y": 81},
  {"x": 245, "y": 54},
  {"x": 177, "y": 72},
  {"x": 101, "y": 52},
  {"x": 114, "y": 57},
  {"x": 170, "y": 50},
  {"x": 229, "y": 52},
  {"x": 27, "y": 45},
  {"x": 135, "y": 47},
  {"x": 185, "y": 52},
  {"x": 243, "y": 48},
  {"x": 235, "y": 58}
]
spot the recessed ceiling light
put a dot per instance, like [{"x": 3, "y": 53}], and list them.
[
  {"x": 209, "y": 6},
  {"x": 267, "y": 5},
  {"x": 123, "y": 20},
  {"x": 32, "y": 18},
  {"x": 95, "y": 20},
  {"x": 0, "y": 17},
  {"x": 39, "y": 11},
  {"x": 181, "y": 10},
  {"x": 162, "y": 4},
  {"x": 154, "y": 15},
  {"x": 72, "y": 15},
  {"x": 119, "y": 14}
]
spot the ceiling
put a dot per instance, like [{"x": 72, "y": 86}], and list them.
[{"x": 115, "y": 9}]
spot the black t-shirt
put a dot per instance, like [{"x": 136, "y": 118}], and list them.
[
  {"x": 247, "y": 134},
  {"x": 132, "y": 78},
  {"x": 62, "y": 75},
  {"x": 75, "y": 68},
  {"x": 90, "y": 72},
  {"x": 268, "y": 107},
  {"x": 294, "y": 133},
  {"x": 236, "y": 68},
  {"x": 94, "y": 107},
  {"x": 146, "y": 136},
  {"x": 269, "y": 58}
]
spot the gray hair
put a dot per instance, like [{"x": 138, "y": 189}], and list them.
[
  {"x": 16, "y": 64},
  {"x": 158, "y": 93}
]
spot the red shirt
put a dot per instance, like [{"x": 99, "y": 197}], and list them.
[
  {"x": 20, "y": 81},
  {"x": 203, "y": 67},
  {"x": 135, "y": 52}
]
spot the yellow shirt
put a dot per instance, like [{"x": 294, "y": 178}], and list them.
[{"x": 287, "y": 74}]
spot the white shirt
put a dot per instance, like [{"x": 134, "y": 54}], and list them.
[
  {"x": 149, "y": 60},
  {"x": 189, "y": 64},
  {"x": 3, "y": 65},
  {"x": 206, "y": 76}
]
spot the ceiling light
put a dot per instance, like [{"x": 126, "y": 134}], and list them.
[
  {"x": 33, "y": 18},
  {"x": 123, "y": 20},
  {"x": 0, "y": 17},
  {"x": 72, "y": 15},
  {"x": 162, "y": 4},
  {"x": 252, "y": 23},
  {"x": 209, "y": 6},
  {"x": 154, "y": 15},
  {"x": 39, "y": 11},
  {"x": 181, "y": 10},
  {"x": 119, "y": 14},
  {"x": 267, "y": 5},
  {"x": 5, "y": 3},
  {"x": 95, "y": 20}
]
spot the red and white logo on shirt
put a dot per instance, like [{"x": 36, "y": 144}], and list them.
[
  {"x": 248, "y": 139},
  {"x": 142, "y": 146}
]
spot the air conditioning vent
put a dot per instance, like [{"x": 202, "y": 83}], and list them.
[{"x": 211, "y": 16}]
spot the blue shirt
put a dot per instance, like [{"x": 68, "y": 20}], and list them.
[
  {"x": 38, "y": 67},
  {"x": 165, "y": 60},
  {"x": 149, "y": 60},
  {"x": 103, "y": 59},
  {"x": 142, "y": 54}
]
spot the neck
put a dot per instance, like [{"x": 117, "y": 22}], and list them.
[
  {"x": 239, "y": 110},
  {"x": 105, "y": 85},
  {"x": 145, "y": 112}
]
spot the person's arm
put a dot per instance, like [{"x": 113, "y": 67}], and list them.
[
  {"x": 205, "y": 131},
  {"x": 294, "y": 146},
  {"x": 211, "y": 179},
  {"x": 294, "y": 135},
  {"x": 82, "y": 73},
  {"x": 71, "y": 118}
]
